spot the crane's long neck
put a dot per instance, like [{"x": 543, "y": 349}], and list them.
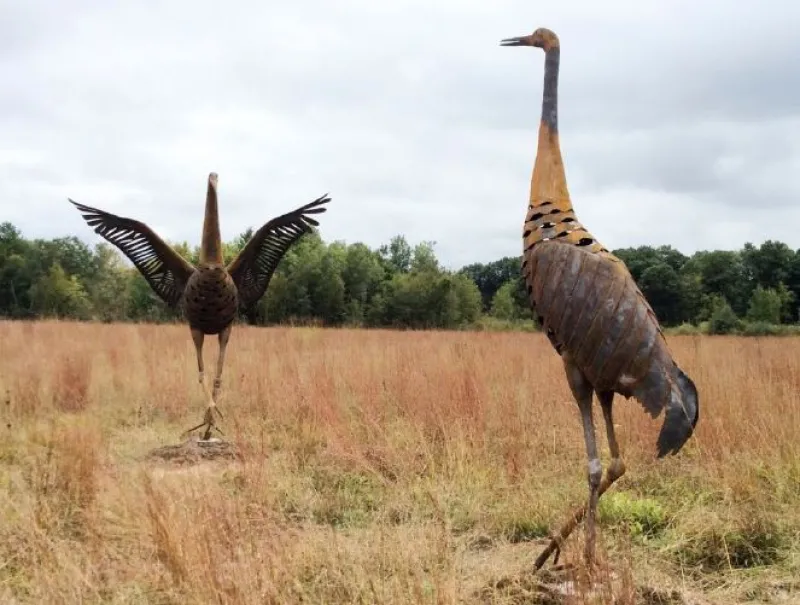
[
  {"x": 211, "y": 245},
  {"x": 549, "y": 181}
]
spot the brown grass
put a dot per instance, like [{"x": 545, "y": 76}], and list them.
[{"x": 378, "y": 467}]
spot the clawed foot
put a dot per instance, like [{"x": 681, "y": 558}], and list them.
[
  {"x": 553, "y": 548},
  {"x": 208, "y": 421},
  {"x": 565, "y": 570}
]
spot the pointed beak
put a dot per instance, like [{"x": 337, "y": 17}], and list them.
[
  {"x": 518, "y": 41},
  {"x": 212, "y": 181}
]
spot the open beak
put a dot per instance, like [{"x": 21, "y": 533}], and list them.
[{"x": 518, "y": 41}]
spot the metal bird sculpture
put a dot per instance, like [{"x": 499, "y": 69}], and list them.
[
  {"x": 593, "y": 313},
  {"x": 209, "y": 294}
]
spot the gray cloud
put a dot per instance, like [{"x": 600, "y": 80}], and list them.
[{"x": 677, "y": 121}]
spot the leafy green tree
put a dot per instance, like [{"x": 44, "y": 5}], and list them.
[
  {"x": 191, "y": 254},
  {"x": 15, "y": 274},
  {"x": 722, "y": 272},
  {"x": 640, "y": 259},
  {"x": 11, "y": 242},
  {"x": 108, "y": 286},
  {"x": 793, "y": 285},
  {"x": 693, "y": 297},
  {"x": 362, "y": 275},
  {"x": 327, "y": 290},
  {"x": 240, "y": 241},
  {"x": 285, "y": 301},
  {"x": 769, "y": 264},
  {"x": 397, "y": 254},
  {"x": 465, "y": 301},
  {"x": 770, "y": 305},
  {"x": 57, "y": 294},
  {"x": 15, "y": 284},
  {"x": 503, "y": 304},
  {"x": 787, "y": 303},
  {"x": 490, "y": 277},
  {"x": 663, "y": 288},
  {"x": 723, "y": 319},
  {"x": 424, "y": 258},
  {"x": 73, "y": 255},
  {"x": 376, "y": 313},
  {"x": 765, "y": 306}
]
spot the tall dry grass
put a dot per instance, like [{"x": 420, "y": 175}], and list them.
[{"x": 378, "y": 467}]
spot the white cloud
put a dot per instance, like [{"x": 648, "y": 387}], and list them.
[{"x": 680, "y": 118}]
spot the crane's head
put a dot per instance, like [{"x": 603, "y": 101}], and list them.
[{"x": 542, "y": 38}]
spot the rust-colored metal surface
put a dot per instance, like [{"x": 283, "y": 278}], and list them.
[
  {"x": 210, "y": 294},
  {"x": 583, "y": 296},
  {"x": 592, "y": 311},
  {"x": 591, "y": 308}
]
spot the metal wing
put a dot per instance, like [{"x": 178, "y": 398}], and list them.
[
  {"x": 253, "y": 267},
  {"x": 164, "y": 269}
]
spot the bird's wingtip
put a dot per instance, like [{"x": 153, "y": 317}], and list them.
[{"x": 323, "y": 199}]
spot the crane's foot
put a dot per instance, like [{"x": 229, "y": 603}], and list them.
[
  {"x": 557, "y": 540},
  {"x": 552, "y": 549},
  {"x": 209, "y": 422}
]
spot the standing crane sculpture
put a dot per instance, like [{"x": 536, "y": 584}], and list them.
[
  {"x": 593, "y": 313},
  {"x": 210, "y": 293}
]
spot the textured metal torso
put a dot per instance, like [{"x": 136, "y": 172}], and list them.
[
  {"x": 210, "y": 300},
  {"x": 588, "y": 303},
  {"x": 586, "y": 299}
]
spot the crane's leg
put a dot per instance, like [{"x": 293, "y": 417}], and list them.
[
  {"x": 582, "y": 392},
  {"x": 617, "y": 467},
  {"x": 208, "y": 420},
  {"x": 615, "y": 470},
  {"x": 198, "y": 337},
  {"x": 224, "y": 336}
]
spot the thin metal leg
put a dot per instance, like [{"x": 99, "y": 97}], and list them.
[
  {"x": 614, "y": 471},
  {"x": 208, "y": 419}
]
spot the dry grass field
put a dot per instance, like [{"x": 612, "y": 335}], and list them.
[{"x": 379, "y": 467}]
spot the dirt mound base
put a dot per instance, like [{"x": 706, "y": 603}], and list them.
[
  {"x": 193, "y": 451},
  {"x": 561, "y": 585}
]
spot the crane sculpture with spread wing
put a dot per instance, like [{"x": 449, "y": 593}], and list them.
[{"x": 210, "y": 293}]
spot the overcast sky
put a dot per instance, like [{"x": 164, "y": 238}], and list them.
[{"x": 680, "y": 121}]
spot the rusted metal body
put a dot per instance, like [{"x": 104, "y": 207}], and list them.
[
  {"x": 209, "y": 294},
  {"x": 592, "y": 311}
]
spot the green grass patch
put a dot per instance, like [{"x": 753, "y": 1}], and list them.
[
  {"x": 709, "y": 541},
  {"x": 644, "y": 518},
  {"x": 345, "y": 499}
]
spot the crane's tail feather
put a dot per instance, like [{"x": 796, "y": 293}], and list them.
[{"x": 680, "y": 418}]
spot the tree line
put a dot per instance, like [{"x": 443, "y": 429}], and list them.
[{"x": 398, "y": 285}]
